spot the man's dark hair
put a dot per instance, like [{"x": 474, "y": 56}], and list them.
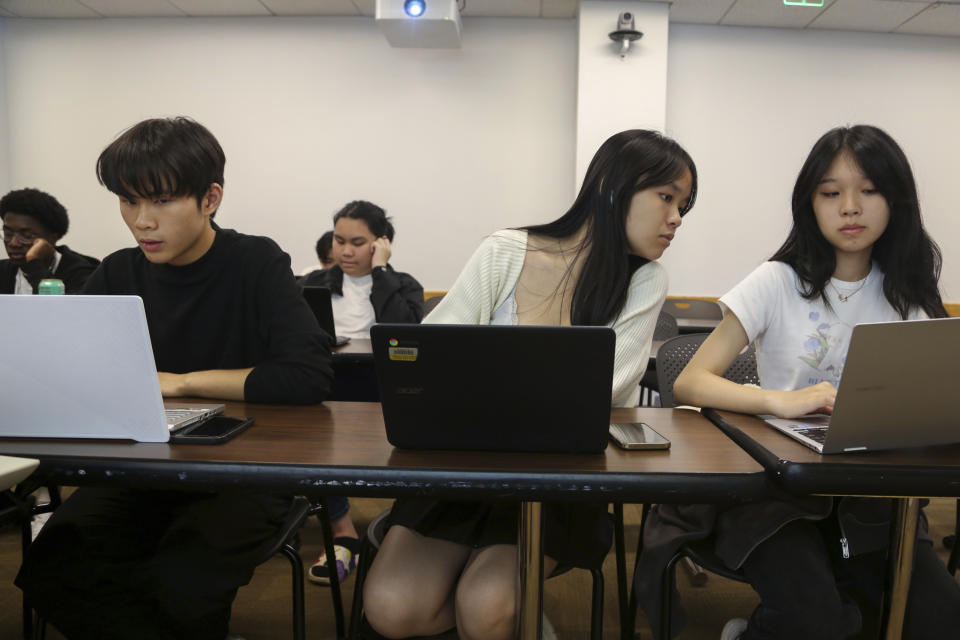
[
  {"x": 39, "y": 205},
  {"x": 375, "y": 217},
  {"x": 174, "y": 157},
  {"x": 324, "y": 245}
]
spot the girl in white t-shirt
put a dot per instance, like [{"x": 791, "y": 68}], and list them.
[
  {"x": 857, "y": 252},
  {"x": 445, "y": 564}
]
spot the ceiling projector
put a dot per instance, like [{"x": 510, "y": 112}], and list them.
[{"x": 424, "y": 24}]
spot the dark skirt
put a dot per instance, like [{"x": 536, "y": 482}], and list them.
[{"x": 575, "y": 535}]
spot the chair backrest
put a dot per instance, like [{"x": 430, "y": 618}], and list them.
[
  {"x": 430, "y": 303},
  {"x": 666, "y": 327},
  {"x": 690, "y": 308},
  {"x": 674, "y": 354}
]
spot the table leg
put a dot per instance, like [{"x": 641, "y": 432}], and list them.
[
  {"x": 530, "y": 560},
  {"x": 901, "y": 563}
]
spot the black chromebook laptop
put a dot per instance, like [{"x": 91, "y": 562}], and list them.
[
  {"x": 897, "y": 390},
  {"x": 319, "y": 300},
  {"x": 495, "y": 388}
]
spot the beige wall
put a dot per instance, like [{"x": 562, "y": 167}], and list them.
[{"x": 314, "y": 112}]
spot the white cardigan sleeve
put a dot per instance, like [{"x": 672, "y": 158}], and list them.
[
  {"x": 485, "y": 282},
  {"x": 634, "y": 329}
]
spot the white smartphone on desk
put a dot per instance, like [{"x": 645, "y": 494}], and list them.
[{"x": 637, "y": 435}]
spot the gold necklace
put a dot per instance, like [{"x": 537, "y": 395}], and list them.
[{"x": 844, "y": 298}]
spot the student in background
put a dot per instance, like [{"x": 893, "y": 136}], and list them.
[
  {"x": 324, "y": 250},
  {"x": 445, "y": 564},
  {"x": 227, "y": 321},
  {"x": 857, "y": 252},
  {"x": 365, "y": 288},
  {"x": 33, "y": 223}
]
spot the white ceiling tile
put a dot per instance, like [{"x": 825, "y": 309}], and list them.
[
  {"x": 127, "y": 9},
  {"x": 867, "y": 15},
  {"x": 502, "y": 8},
  {"x": 559, "y": 8},
  {"x": 937, "y": 20},
  {"x": 699, "y": 11},
  {"x": 220, "y": 8},
  {"x": 770, "y": 13},
  {"x": 312, "y": 7},
  {"x": 5, "y": 14},
  {"x": 48, "y": 9}
]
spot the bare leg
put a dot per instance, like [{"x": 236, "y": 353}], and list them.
[
  {"x": 486, "y": 599},
  {"x": 409, "y": 590}
]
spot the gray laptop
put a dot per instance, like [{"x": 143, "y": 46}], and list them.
[
  {"x": 495, "y": 388},
  {"x": 83, "y": 367},
  {"x": 898, "y": 390}
]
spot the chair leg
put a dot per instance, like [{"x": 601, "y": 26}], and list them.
[
  {"x": 667, "y": 586},
  {"x": 356, "y": 608},
  {"x": 299, "y": 613},
  {"x": 596, "y": 613},
  {"x": 332, "y": 567},
  {"x": 632, "y": 604},
  {"x": 626, "y": 630},
  {"x": 25, "y": 540}
]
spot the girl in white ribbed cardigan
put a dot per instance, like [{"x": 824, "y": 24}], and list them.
[{"x": 445, "y": 564}]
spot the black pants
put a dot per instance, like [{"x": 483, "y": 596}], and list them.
[
  {"x": 808, "y": 590},
  {"x": 117, "y": 563}
]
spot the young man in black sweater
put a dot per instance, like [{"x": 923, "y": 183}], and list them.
[{"x": 227, "y": 321}]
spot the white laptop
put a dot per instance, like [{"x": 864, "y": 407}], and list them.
[
  {"x": 83, "y": 367},
  {"x": 898, "y": 390}
]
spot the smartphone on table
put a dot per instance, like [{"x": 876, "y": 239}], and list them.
[
  {"x": 216, "y": 430},
  {"x": 637, "y": 435}
]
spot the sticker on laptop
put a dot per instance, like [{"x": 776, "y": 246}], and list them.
[{"x": 401, "y": 354}]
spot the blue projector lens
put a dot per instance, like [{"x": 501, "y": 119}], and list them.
[{"x": 415, "y": 8}]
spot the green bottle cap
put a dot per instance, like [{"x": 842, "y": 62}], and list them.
[{"x": 51, "y": 287}]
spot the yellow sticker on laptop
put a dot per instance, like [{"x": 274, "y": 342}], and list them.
[{"x": 403, "y": 354}]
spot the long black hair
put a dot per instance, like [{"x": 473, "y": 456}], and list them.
[
  {"x": 628, "y": 162},
  {"x": 909, "y": 258}
]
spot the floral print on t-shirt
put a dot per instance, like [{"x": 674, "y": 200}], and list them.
[{"x": 819, "y": 349}]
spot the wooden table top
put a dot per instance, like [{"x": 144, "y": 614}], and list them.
[
  {"x": 342, "y": 447},
  {"x": 923, "y": 471}
]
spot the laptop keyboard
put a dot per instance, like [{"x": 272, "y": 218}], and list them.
[{"x": 817, "y": 434}]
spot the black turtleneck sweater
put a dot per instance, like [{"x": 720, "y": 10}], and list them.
[{"x": 236, "y": 307}]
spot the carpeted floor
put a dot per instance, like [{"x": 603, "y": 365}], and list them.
[{"x": 262, "y": 610}]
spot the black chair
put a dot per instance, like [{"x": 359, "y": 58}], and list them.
[
  {"x": 673, "y": 356},
  {"x": 25, "y": 509},
  {"x": 665, "y": 329},
  {"x": 430, "y": 303},
  {"x": 370, "y": 544},
  {"x": 287, "y": 543}
]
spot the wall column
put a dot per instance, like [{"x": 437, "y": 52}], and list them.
[{"x": 615, "y": 93}]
